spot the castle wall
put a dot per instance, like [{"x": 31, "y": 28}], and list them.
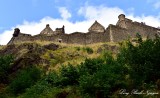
[
  {"x": 117, "y": 33},
  {"x": 106, "y": 36},
  {"x": 63, "y": 37},
  {"x": 74, "y": 38},
  {"x": 20, "y": 38},
  {"x": 96, "y": 37},
  {"x": 141, "y": 28},
  {"x": 43, "y": 38},
  {"x": 77, "y": 38}
]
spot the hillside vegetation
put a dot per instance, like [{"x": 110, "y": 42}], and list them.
[
  {"x": 52, "y": 55},
  {"x": 56, "y": 70}
]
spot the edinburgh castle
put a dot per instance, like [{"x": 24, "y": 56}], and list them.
[{"x": 124, "y": 29}]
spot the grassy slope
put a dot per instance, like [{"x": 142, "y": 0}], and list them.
[
  {"x": 72, "y": 53},
  {"x": 66, "y": 53}
]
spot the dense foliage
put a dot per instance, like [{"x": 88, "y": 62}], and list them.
[
  {"x": 142, "y": 60},
  {"x": 5, "y": 67},
  {"x": 24, "y": 79}
]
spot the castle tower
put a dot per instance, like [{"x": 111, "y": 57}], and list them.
[
  {"x": 121, "y": 17},
  {"x": 47, "y": 30},
  {"x": 16, "y": 32},
  {"x": 96, "y": 27},
  {"x": 122, "y": 21}
]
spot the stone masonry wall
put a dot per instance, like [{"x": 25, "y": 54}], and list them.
[
  {"x": 136, "y": 27},
  {"x": 117, "y": 33},
  {"x": 141, "y": 28},
  {"x": 74, "y": 38}
]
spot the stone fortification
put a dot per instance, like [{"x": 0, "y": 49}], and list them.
[
  {"x": 124, "y": 29},
  {"x": 135, "y": 27}
]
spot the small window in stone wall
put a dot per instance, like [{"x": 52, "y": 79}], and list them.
[{"x": 60, "y": 40}]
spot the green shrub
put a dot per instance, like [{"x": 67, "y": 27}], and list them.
[
  {"x": 24, "y": 79},
  {"x": 53, "y": 78},
  {"x": 5, "y": 66},
  {"x": 40, "y": 89},
  {"x": 88, "y": 50},
  {"x": 90, "y": 66},
  {"x": 44, "y": 87},
  {"x": 69, "y": 75},
  {"x": 142, "y": 60},
  {"x": 105, "y": 81}
]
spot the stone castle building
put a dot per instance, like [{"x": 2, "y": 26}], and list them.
[{"x": 124, "y": 29}]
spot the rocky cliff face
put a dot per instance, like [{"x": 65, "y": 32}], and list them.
[{"x": 27, "y": 54}]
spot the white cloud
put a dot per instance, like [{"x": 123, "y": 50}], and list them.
[
  {"x": 65, "y": 14},
  {"x": 104, "y": 15},
  {"x": 5, "y": 37}
]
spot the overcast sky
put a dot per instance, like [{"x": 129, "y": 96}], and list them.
[{"x": 31, "y": 16}]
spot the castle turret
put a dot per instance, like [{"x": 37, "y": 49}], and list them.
[
  {"x": 16, "y": 32},
  {"x": 96, "y": 27},
  {"x": 122, "y": 21},
  {"x": 121, "y": 17}
]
